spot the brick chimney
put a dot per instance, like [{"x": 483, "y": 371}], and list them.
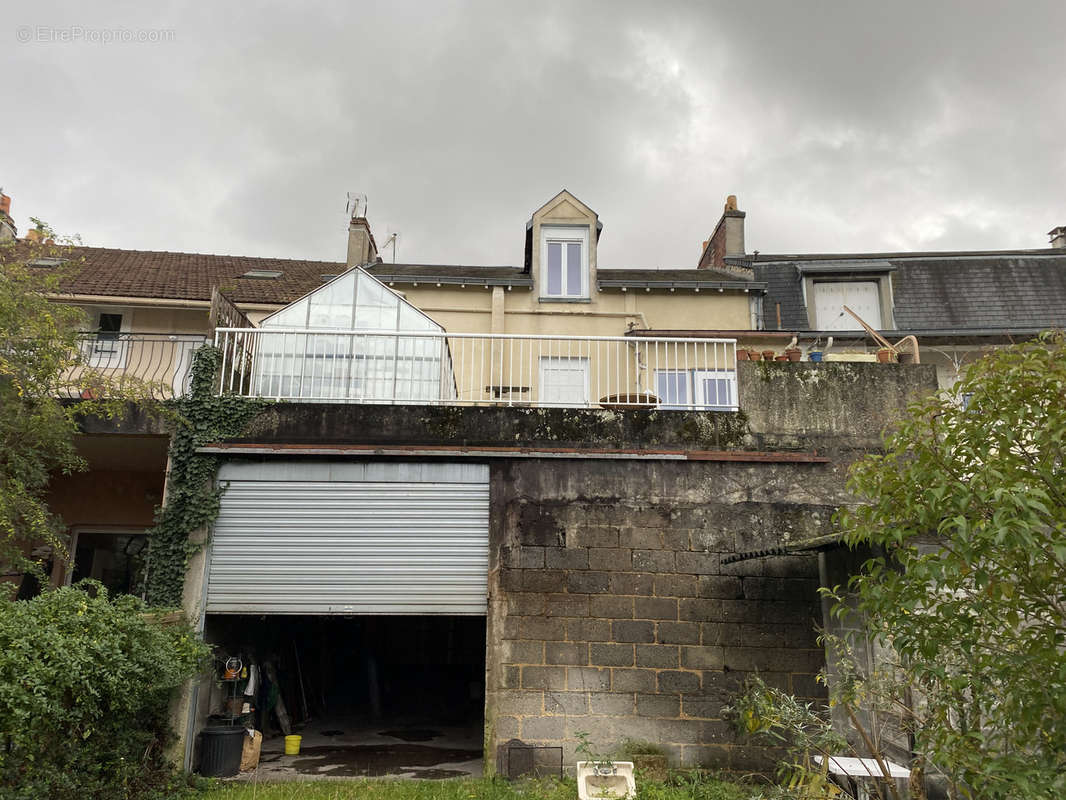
[
  {"x": 727, "y": 239},
  {"x": 1058, "y": 237},
  {"x": 362, "y": 249},
  {"x": 8, "y": 230}
]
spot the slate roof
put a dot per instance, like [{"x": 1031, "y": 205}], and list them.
[
  {"x": 112, "y": 272},
  {"x": 966, "y": 292}
]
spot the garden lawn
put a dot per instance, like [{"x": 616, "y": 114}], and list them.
[{"x": 691, "y": 786}]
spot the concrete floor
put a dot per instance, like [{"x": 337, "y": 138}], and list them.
[{"x": 335, "y": 748}]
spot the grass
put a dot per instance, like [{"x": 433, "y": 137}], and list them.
[{"x": 681, "y": 786}]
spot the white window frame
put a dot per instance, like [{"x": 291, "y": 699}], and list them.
[
  {"x": 564, "y": 235},
  {"x": 694, "y": 396},
  {"x": 548, "y": 365}
]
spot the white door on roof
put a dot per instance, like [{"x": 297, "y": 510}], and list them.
[
  {"x": 564, "y": 381},
  {"x": 860, "y": 296}
]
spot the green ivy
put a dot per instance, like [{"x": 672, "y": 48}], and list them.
[{"x": 192, "y": 499}]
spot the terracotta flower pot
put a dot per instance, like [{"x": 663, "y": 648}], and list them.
[
  {"x": 794, "y": 354},
  {"x": 886, "y": 356},
  {"x": 768, "y": 355},
  {"x": 781, "y": 358},
  {"x": 754, "y": 355},
  {"x": 742, "y": 355}
]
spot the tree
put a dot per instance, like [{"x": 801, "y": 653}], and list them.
[
  {"x": 41, "y": 363},
  {"x": 966, "y": 514}
]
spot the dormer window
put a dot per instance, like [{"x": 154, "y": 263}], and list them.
[{"x": 564, "y": 262}]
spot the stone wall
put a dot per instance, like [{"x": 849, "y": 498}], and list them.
[{"x": 611, "y": 612}]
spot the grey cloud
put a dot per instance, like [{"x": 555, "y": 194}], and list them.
[{"x": 841, "y": 126}]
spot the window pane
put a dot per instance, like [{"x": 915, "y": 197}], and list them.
[
  {"x": 573, "y": 269},
  {"x": 672, "y": 388},
  {"x": 716, "y": 392},
  {"x": 555, "y": 268}
]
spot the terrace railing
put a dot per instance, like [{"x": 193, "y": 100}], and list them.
[
  {"x": 479, "y": 369},
  {"x": 163, "y": 361}
]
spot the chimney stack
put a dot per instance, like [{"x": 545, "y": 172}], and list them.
[
  {"x": 1058, "y": 237},
  {"x": 8, "y": 230},
  {"x": 727, "y": 239},
  {"x": 362, "y": 249}
]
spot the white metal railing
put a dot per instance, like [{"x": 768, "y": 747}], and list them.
[{"x": 434, "y": 368}]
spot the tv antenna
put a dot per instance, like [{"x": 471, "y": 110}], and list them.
[
  {"x": 392, "y": 240},
  {"x": 356, "y": 206}
]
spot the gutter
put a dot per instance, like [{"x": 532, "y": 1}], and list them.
[
  {"x": 621, "y": 283},
  {"x": 110, "y": 299}
]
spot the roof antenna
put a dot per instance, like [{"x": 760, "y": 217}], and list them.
[
  {"x": 392, "y": 239},
  {"x": 356, "y": 206}
]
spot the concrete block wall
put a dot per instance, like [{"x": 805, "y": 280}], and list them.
[{"x": 611, "y": 612}]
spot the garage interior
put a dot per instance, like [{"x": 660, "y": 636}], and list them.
[{"x": 370, "y": 695}]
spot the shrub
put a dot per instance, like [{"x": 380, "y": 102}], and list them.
[{"x": 85, "y": 685}]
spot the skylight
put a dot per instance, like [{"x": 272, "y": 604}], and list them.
[
  {"x": 47, "y": 262},
  {"x": 262, "y": 273}
]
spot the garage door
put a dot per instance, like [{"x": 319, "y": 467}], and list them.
[{"x": 347, "y": 538}]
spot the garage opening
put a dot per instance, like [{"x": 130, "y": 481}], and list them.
[
  {"x": 370, "y": 695},
  {"x": 352, "y": 596}
]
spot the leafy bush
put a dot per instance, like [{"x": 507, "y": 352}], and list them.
[{"x": 85, "y": 684}]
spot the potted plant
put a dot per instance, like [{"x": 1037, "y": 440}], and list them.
[
  {"x": 754, "y": 355},
  {"x": 814, "y": 355},
  {"x": 794, "y": 353},
  {"x": 742, "y": 354},
  {"x": 886, "y": 355},
  {"x": 768, "y": 355}
]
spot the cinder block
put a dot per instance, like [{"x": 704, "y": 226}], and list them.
[
  {"x": 542, "y": 580},
  {"x": 522, "y": 651},
  {"x": 640, "y": 631},
  {"x": 570, "y": 653},
  {"x": 593, "y": 536},
  {"x": 611, "y": 655},
  {"x": 544, "y": 678},
  {"x": 584, "y": 629},
  {"x": 655, "y": 608},
  {"x": 566, "y": 605},
  {"x": 608, "y": 607},
  {"x": 588, "y": 678},
  {"x": 523, "y": 557},
  {"x": 506, "y": 728},
  {"x": 641, "y": 538},
  {"x": 796, "y": 589},
  {"x": 678, "y": 632},
  {"x": 677, "y": 681},
  {"x": 617, "y": 559},
  {"x": 586, "y": 582},
  {"x": 637, "y": 583},
  {"x": 510, "y": 677},
  {"x": 566, "y": 558},
  {"x": 611, "y": 703},
  {"x": 701, "y": 657},
  {"x": 566, "y": 703},
  {"x": 653, "y": 560},
  {"x": 678, "y": 538},
  {"x": 676, "y": 586},
  {"x": 698, "y": 563},
  {"x": 720, "y": 633},
  {"x": 699, "y": 610},
  {"x": 713, "y": 541},
  {"x": 525, "y": 604},
  {"x": 632, "y": 680},
  {"x": 602, "y": 731},
  {"x": 712, "y": 756},
  {"x": 724, "y": 587},
  {"x": 658, "y": 656},
  {"x": 808, "y": 685},
  {"x": 542, "y": 628},
  {"x": 518, "y": 703},
  {"x": 702, "y": 707},
  {"x": 543, "y": 728},
  {"x": 657, "y": 705}
]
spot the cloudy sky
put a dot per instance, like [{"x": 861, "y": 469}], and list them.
[{"x": 840, "y": 126}]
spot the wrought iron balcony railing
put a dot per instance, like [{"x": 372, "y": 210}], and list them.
[{"x": 162, "y": 361}]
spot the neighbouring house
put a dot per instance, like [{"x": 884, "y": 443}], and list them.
[
  {"x": 956, "y": 304},
  {"x": 488, "y": 506}
]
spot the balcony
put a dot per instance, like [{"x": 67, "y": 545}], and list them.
[
  {"x": 163, "y": 361},
  {"x": 434, "y": 367}
]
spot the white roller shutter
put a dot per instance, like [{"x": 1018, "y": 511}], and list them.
[
  {"x": 862, "y": 297},
  {"x": 350, "y": 538}
]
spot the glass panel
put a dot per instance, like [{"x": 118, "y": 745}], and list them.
[
  {"x": 376, "y": 307},
  {"x": 672, "y": 388},
  {"x": 715, "y": 392},
  {"x": 573, "y": 269},
  {"x": 295, "y": 316},
  {"x": 413, "y": 320},
  {"x": 555, "y": 268},
  {"x": 331, "y": 306}
]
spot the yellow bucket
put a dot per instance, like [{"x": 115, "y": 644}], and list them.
[{"x": 292, "y": 745}]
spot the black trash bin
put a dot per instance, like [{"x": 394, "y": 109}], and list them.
[{"x": 220, "y": 753}]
